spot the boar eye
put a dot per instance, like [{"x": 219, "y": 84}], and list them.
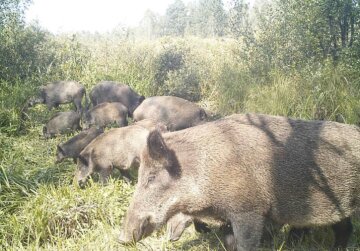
[{"x": 151, "y": 179}]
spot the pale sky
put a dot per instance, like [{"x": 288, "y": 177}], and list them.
[{"x": 92, "y": 15}]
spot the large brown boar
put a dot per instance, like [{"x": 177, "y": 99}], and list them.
[
  {"x": 176, "y": 113},
  {"x": 247, "y": 169}
]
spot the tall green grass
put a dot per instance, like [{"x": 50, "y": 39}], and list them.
[{"x": 326, "y": 95}]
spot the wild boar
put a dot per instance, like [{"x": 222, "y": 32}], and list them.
[
  {"x": 109, "y": 91},
  {"x": 59, "y": 92},
  {"x": 176, "y": 113},
  {"x": 247, "y": 169},
  {"x": 105, "y": 114},
  {"x": 62, "y": 122},
  {"x": 117, "y": 148},
  {"x": 73, "y": 147}
]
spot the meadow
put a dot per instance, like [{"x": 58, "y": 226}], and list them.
[{"x": 41, "y": 208}]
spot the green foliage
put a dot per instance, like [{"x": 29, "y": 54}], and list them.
[
  {"x": 12, "y": 11},
  {"x": 325, "y": 94},
  {"x": 291, "y": 34},
  {"x": 70, "y": 59},
  {"x": 63, "y": 212},
  {"x": 238, "y": 21},
  {"x": 173, "y": 72},
  {"x": 211, "y": 18},
  {"x": 175, "y": 19}
]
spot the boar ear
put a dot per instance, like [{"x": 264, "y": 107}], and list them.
[
  {"x": 159, "y": 151},
  {"x": 141, "y": 99},
  {"x": 156, "y": 145},
  {"x": 84, "y": 159}
]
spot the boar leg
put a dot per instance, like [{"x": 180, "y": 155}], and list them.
[
  {"x": 297, "y": 234},
  {"x": 78, "y": 106},
  {"x": 105, "y": 174},
  {"x": 342, "y": 231},
  {"x": 122, "y": 123},
  {"x": 247, "y": 227},
  {"x": 50, "y": 105},
  {"x": 126, "y": 175}
]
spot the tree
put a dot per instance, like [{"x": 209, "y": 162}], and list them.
[
  {"x": 150, "y": 25},
  {"x": 207, "y": 18},
  {"x": 12, "y": 11},
  {"x": 343, "y": 23},
  {"x": 293, "y": 33},
  {"x": 24, "y": 50},
  {"x": 238, "y": 21},
  {"x": 176, "y": 19},
  {"x": 212, "y": 17}
]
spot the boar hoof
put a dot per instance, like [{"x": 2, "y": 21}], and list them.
[{"x": 342, "y": 231}]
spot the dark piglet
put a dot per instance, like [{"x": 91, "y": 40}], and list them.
[
  {"x": 61, "y": 123},
  {"x": 73, "y": 147}
]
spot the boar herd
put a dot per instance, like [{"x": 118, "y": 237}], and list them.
[{"x": 243, "y": 171}]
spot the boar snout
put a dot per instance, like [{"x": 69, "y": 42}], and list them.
[
  {"x": 136, "y": 230},
  {"x": 82, "y": 178},
  {"x": 86, "y": 125},
  {"x": 58, "y": 159},
  {"x": 82, "y": 181}
]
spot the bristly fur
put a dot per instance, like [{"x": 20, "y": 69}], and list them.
[{"x": 248, "y": 168}]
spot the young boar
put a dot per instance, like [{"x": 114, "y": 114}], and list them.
[
  {"x": 62, "y": 122},
  {"x": 245, "y": 170},
  {"x": 105, "y": 114},
  {"x": 176, "y": 113},
  {"x": 117, "y": 148},
  {"x": 108, "y": 91},
  {"x": 73, "y": 147},
  {"x": 59, "y": 92}
]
